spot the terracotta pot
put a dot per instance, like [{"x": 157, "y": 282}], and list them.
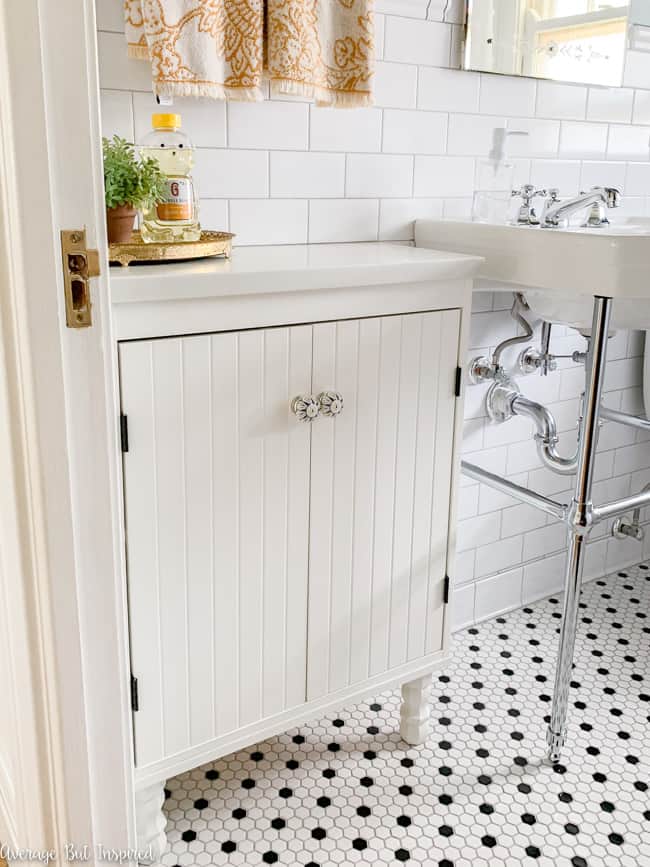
[{"x": 119, "y": 224}]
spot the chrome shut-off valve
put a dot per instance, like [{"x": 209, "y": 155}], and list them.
[
  {"x": 623, "y": 528},
  {"x": 500, "y": 398},
  {"x": 531, "y": 360},
  {"x": 483, "y": 369}
]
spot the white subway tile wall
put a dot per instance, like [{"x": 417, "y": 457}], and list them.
[{"x": 284, "y": 172}]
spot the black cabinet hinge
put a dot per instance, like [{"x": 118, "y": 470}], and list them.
[
  {"x": 459, "y": 381},
  {"x": 124, "y": 432},
  {"x": 445, "y": 590},
  {"x": 135, "y": 699}
]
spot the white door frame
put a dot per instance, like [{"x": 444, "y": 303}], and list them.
[{"x": 62, "y": 400}]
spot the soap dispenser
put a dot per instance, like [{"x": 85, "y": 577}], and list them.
[
  {"x": 176, "y": 216},
  {"x": 494, "y": 181}
]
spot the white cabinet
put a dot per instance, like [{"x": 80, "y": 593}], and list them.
[{"x": 277, "y": 566}]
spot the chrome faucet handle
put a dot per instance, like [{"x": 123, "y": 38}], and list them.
[
  {"x": 552, "y": 199},
  {"x": 528, "y": 193},
  {"x": 524, "y": 192},
  {"x": 597, "y": 216},
  {"x": 526, "y": 215},
  {"x": 613, "y": 197}
]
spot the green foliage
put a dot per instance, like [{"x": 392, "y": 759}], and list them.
[{"x": 130, "y": 179}]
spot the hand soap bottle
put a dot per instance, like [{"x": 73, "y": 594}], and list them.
[
  {"x": 176, "y": 217},
  {"x": 494, "y": 181}
]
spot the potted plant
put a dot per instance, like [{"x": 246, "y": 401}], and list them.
[{"x": 131, "y": 183}]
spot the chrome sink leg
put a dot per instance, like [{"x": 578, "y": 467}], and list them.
[
  {"x": 580, "y": 522},
  {"x": 556, "y": 732}
]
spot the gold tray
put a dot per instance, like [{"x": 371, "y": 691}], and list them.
[{"x": 210, "y": 244}]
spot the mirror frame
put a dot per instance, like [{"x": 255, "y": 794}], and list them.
[{"x": 627, "y": 11}]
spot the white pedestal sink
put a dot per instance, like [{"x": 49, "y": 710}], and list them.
[
  {"x": 595, "y": 279},
  {"x": 560, "y": 270}
]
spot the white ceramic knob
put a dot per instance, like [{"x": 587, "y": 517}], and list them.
[
  {"x": 305, "y": 407},
  {"x": 331, "y": 403}
]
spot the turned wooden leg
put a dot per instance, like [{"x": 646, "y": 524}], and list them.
[
  {"x": 415, "y": 712},
  {"x": 151, "y": 823}
]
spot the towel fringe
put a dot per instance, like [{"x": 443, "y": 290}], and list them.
[
  {"x": 322, "y": 95},
  {"x": 137, "y": 51},
  {"x": 213, "y": 90}
]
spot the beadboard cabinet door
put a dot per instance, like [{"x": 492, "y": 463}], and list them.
[
  {"x": 217, "y": 517},
  {"x": 380, "y": 495}
]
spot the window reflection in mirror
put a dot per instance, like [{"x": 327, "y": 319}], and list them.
[{"x": 565, "y": 40}]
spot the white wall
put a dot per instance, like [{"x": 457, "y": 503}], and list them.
[{"x": 284, "y": 172}]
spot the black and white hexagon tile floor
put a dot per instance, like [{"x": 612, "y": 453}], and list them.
[{"x": 347, "y": 790}]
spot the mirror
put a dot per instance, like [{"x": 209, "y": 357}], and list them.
[{"x": 565, "y": 40}]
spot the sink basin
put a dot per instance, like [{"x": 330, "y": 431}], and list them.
[
  {"x": 636, "y": 227},
  {"x": 560, "y": 270}
]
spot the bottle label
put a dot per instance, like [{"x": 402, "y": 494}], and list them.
[{"x": 178, "y": 201}]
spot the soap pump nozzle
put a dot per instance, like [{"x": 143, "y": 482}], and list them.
[{"x": 500, "y": 136}]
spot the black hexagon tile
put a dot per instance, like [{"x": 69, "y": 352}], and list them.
[{"x": 347, "y": 790}]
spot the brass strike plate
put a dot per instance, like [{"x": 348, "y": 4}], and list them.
[{"x": 79, "y": 265}]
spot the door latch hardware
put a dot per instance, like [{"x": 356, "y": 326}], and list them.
[
  {"x": 79, "y": 265},
  {"x": 124, "y": 432},
  {"x": 458, "y": 382},
  {"x": 135, "y": 697}
]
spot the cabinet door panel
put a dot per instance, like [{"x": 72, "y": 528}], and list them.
[
  {"x": 381, "y": 485},
  {"x": 217, "y": 513}
]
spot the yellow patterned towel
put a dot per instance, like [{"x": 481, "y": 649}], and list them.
[{"x": 226, "y": 48}]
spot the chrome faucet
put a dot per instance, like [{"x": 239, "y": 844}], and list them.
[
  {"x": 526, "y": 215},
  {"x": 556, "y": 213}
]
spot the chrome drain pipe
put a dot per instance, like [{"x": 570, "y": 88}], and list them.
[
  {"x": 504, "y": 400},
  {"x": 546, "y": 435}
]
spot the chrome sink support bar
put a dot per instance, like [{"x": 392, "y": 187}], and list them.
[
  {"x": 619, "y": 507},
  {"x": 580, "y": 515},
  {"x": 525, "y": 495},
  {"x": 624, "y": 418}
]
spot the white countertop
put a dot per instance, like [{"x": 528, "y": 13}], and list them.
[{"x": 264, "y": 270}]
